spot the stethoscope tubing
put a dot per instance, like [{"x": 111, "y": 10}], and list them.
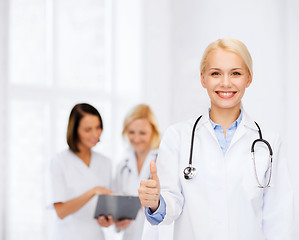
[
  {"x": 260, "y": 185},
  {"x": 190, "y": 171},
  {"x": 192, "y": 140},
  {"x": 126, "y": 166}
]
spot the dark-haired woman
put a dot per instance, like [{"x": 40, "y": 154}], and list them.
[{"x": 77, "y": 175}]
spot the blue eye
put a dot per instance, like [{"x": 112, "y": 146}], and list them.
[
  {"x": 215, "y": 73},
  {"x": 236, "y": 73}
]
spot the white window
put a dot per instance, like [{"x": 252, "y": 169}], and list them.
[{"x": 59, "y": 54}]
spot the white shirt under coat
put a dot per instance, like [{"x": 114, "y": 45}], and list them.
[
  {"x": 70, "y": 177},
  {"x": 223, "y": 201}
]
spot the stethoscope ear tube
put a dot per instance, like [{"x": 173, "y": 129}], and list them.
[
  {"x": 263, "y": 141},
  {"x": 190, "y": 172},
  {"x": 255, "y": 172},
  {"x": 270, "y": 158},
  {"x": 192, "y": 140}
]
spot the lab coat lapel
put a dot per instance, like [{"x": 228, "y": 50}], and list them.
[
  {"x": 132, "y": 163},
  {"x": 205, "y": 121},
  {"x": 242, "y": 128}
]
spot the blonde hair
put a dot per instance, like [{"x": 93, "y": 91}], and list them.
[
  {"x": 143, "y": 111},
  {"x": 229, "y": 44}
]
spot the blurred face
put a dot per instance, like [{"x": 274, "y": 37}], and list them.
[
  {"x": 226, "y": 77},
  {"x": 89, "y": 131},
  {"x": 140, "y": 134}
]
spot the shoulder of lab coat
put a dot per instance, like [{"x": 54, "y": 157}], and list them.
[{"x": 55, "y": 178}]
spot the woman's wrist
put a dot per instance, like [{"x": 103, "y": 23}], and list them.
[
  {"x": 93, "y": 192},
  {"x": 154, "y": 209}
]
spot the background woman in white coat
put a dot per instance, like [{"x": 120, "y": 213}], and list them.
[
  {"x": 141, "y": 129},
  {"x": 77, "y": 175},
  {"x": 229, "y": 197}
]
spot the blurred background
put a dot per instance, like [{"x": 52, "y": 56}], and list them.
[{"x": 114, "y": 54}]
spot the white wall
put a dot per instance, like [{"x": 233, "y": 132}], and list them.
[
  {"x": 269, "y": 28},
  {"x": 127, "y": 37},
  {"x": 3, "y": 109},
  {"x": 157, "y": 16},
  {"x": 291, "y": 93}
]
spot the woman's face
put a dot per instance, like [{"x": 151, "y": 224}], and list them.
[
  {"x": 140, "y": 133},
  {"x": 89, "y": 131},
  {"x": 226, "y": 77}
]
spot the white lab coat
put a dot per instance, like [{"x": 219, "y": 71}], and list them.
[
  {"x": 127, "y": 181},
  {"x": 70, "y": 177},
  {"x": 223, "y": 201}
]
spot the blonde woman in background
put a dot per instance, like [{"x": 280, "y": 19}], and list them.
[{"x": 141, "y": 129}]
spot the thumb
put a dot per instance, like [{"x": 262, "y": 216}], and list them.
[{"x": 153, "y": 169}]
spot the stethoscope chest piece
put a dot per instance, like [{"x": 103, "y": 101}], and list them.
[{"x": 189, "y": 172}]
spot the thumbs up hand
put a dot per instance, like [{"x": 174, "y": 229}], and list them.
[
  {"x": 153, "y": 169},
  {"x": 149, "y": 190}
]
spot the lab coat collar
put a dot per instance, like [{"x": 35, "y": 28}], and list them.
[
  {"x": 204, "y": 119},
  {"x": 246, "y": 120},
  {"x": 241, "y": 130}
]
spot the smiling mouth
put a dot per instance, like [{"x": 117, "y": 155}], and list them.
[{"x": 226, "y": 94}]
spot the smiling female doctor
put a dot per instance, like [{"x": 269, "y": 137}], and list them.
[{"x": 222, "y": 192}]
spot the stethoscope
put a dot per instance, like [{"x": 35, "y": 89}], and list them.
[
  {"x": 126, "y": 165},
  {"x": 190, "y": 171}
]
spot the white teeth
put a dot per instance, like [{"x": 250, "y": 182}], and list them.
[{"x": 225, "y": 93}]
